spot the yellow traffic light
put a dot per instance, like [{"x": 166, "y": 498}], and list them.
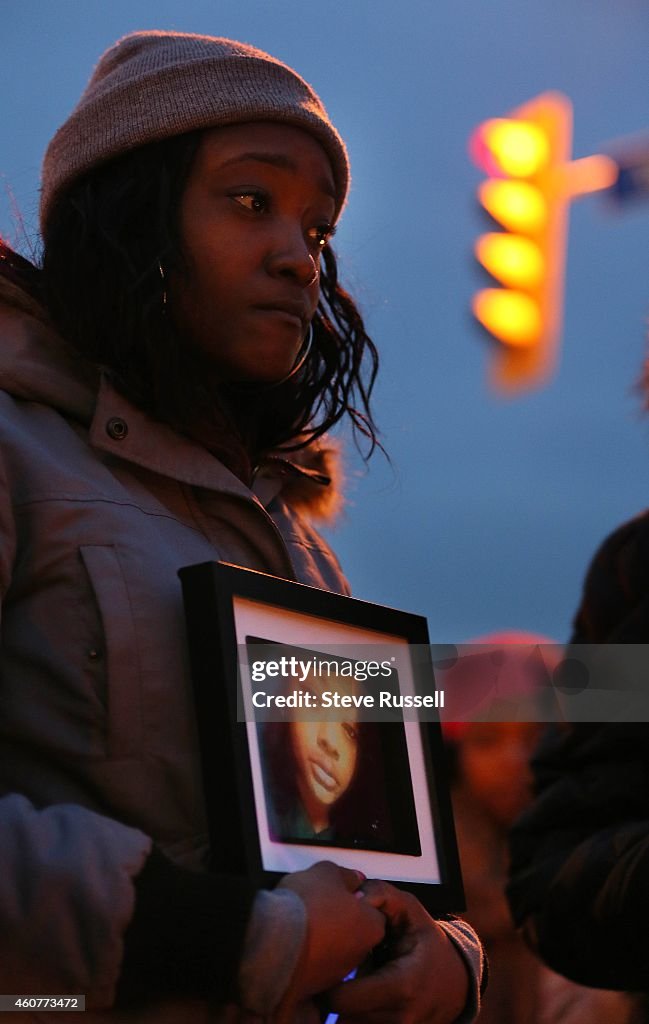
[
  {"x": 517, "y": 205},
  {"x": 514, "y": 260},
  {"x": 511, "y": 147},
  {"x": 527, "y": 156},
  {"x": 514, "y": 317}
]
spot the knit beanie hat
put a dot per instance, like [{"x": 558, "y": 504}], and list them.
[{"x": 154, "y": 85}]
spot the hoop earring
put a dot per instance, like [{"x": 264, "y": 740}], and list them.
[
  {"x": 300, "y": 359},
  {"x": 164, "y": 288}
]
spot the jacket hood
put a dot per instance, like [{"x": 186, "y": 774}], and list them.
[{"x": 37, "y": 365}]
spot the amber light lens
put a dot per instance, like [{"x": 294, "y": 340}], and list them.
[
  {"x": 513, "y": 148},
  {"x": 512, "y": 259},
  {"x": 517, "y": 205},
  {"x": 511, "y": 316}
]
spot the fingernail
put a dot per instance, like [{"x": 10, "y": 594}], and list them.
[
  {"x": 359, "y": 894},
  {"x": 361, "y": 877}
]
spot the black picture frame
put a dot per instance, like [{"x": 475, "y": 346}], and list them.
[{"x": 231, "y": 612}]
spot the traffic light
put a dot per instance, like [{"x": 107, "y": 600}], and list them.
[{"x": 527, "y": 158}]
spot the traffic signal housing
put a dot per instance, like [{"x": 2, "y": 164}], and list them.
[{"x": 527, "y": 158}]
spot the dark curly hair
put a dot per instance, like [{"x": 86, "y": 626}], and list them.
[{"x": 100, "y": 282}]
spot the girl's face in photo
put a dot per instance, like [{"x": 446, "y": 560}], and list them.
[
  {"x": 325, "y": 753},
  {"x": 256, "y": 212}
]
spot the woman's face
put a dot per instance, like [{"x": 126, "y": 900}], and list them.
[
  {"x": 494, "y": 761},
  {"x": 256, "y": 212},
  {"x": 325, "y": 754}
]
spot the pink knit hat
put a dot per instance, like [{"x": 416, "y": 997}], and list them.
[{"x": 153, "y": 85}]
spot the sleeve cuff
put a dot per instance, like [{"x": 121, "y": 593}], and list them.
[
  {"x": 470, "y": 949},
  {"x": 271, "y": 949},
  {"x": 186, "y": 933}
]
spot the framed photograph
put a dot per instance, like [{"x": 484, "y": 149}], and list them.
[{"x": 313, "y": 742}]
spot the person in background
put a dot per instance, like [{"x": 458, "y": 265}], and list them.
[
  {"x": 580, "y": 853},
  {"x": 168, "y": 370},
  {"x": 492, "y": 785}
]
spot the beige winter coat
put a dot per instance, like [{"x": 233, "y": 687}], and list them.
[{"x": 99, "y": 508}]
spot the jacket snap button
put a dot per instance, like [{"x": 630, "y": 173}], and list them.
[{"x": 117, "y": 428}]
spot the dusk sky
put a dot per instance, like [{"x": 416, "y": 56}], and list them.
[{"x": 491, "y": 509}]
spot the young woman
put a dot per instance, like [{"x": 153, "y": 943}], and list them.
[{"x": 168, "y": 372}]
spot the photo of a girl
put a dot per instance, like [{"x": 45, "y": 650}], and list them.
[{"x": 337, "y": 780}]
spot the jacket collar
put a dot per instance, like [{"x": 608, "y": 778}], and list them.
[{"x": 121, "y": 429}]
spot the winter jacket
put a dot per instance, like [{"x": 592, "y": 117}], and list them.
[
  {"x": 99, "y": 508},
  {"x": 580, "y": 855}
]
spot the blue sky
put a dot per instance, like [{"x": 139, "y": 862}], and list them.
[{"x": 491, "y": 509}]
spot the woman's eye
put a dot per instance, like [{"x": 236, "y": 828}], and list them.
[
  {"x": 321, "y": 234},
  {"x": 350, "y": 731},
  {"x": 256, "y": 202}
]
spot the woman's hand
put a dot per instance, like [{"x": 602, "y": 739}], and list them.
[
  {"x": 342, "y": 927},
  {"x": 425, "y": 979}
]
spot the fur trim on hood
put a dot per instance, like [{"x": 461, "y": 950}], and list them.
[{"x": 313, "y": 479}]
